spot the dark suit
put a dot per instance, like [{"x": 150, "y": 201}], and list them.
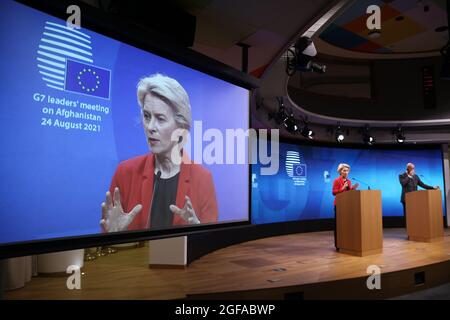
[{"x": 408, "y": 185}]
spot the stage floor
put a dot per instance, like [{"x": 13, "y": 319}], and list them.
[{"x": 265, "y": 268}]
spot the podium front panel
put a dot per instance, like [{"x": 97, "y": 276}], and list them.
[
  {"x": 359, "y": 222},
  {"x": 424, "y": 219}
]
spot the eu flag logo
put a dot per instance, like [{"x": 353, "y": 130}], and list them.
[
  {"x": 87, "y": 79},
  {"x": 299, "y": 170}
]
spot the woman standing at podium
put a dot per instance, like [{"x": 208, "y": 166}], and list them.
[{"x": 341, "y": 184}]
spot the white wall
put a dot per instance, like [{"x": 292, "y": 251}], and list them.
[{"x": 168, "y": 251}]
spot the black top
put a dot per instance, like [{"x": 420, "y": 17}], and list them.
[
  {"x": 410, "y": 184},
  {"x": 164, "y": 194}
]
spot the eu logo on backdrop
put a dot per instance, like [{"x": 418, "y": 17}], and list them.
[
  {"x": 299, "y": 170},
  {"x": 87, "y": 79},
  {"x": 295, "y": 169}
]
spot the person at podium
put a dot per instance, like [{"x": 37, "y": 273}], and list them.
[
  {"x": 341, "y": 184},
  {"x": 409, "y": 181}
]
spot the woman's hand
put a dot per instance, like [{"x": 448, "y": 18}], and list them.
[
  {"x": 187, "y": 212},
  {"x": 356, "y": 186},
  {"x": 345, "y": 186},
  {"x": 113, "y": 217}
]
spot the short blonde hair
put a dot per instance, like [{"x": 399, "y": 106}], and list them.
[
  {"x": 342, "y": 166},
  {"x": 171, "y": 92}
]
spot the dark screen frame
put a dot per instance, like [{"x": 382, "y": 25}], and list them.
[{"x": 122, "y": 30}]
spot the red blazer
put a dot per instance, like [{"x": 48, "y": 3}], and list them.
[
  {"x": 134, "y": 178},
  {"x": 338, "y": 184}
]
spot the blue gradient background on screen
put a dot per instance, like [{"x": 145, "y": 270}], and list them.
[
  {"x": 276, "y": 198},
  {"x": 52, "y": 180}
]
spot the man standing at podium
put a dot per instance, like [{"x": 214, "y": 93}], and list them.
[
  {"x": 409, "y": 181},
  {"x": 341, "y": 184}
]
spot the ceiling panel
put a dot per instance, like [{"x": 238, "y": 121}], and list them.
[{"x": 406, "y": 26}]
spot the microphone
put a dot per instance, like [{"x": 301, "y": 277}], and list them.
[
  {"x": 155, "y": 188},
  {"x": 368, "y": 186},
  {"x": 155, "y": 183}
]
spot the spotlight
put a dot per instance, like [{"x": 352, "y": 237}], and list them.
[
  {"x": 283, "y": 118},
  {"x": 280, "y": 116},
  {"x": 306, "y": 131},
  {"x": 300, "y": 58},
  {"x": 366, "y": 136},
  {"x": 369, "y": 140},
  {"x": 291, "y": 124},
  {"x": 339, "y": 134},
  {"x": 399, "y": 136}
]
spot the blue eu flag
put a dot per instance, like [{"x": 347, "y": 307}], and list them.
[
  {"x": 87, "y": 79},
  {"x": 299, "y": 170}
]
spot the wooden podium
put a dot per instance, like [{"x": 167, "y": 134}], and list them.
[
  {"x": 424, "y": 219},
  {"x": 359, "y": 222}
]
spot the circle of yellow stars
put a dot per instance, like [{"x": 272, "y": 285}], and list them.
[{"x": 88, "y": 71}]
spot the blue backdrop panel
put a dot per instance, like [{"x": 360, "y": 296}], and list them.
[{"x": 301, "y": 190}]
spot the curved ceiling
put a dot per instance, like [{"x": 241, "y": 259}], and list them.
[
  {"x": 271, "y": 26},
  {"x": 267, "y": 26},
  {"x": 405, "y": 84},
  {"x": 407, "y": 26}
]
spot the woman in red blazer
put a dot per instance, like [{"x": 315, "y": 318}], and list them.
[
  {"x": 163, "y": 188},
  {"x": 341, "y": 184}
]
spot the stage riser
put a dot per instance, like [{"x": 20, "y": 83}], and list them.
[
  {"x": 393, "y": 284},
  {"x": 201, "y": 244}
]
